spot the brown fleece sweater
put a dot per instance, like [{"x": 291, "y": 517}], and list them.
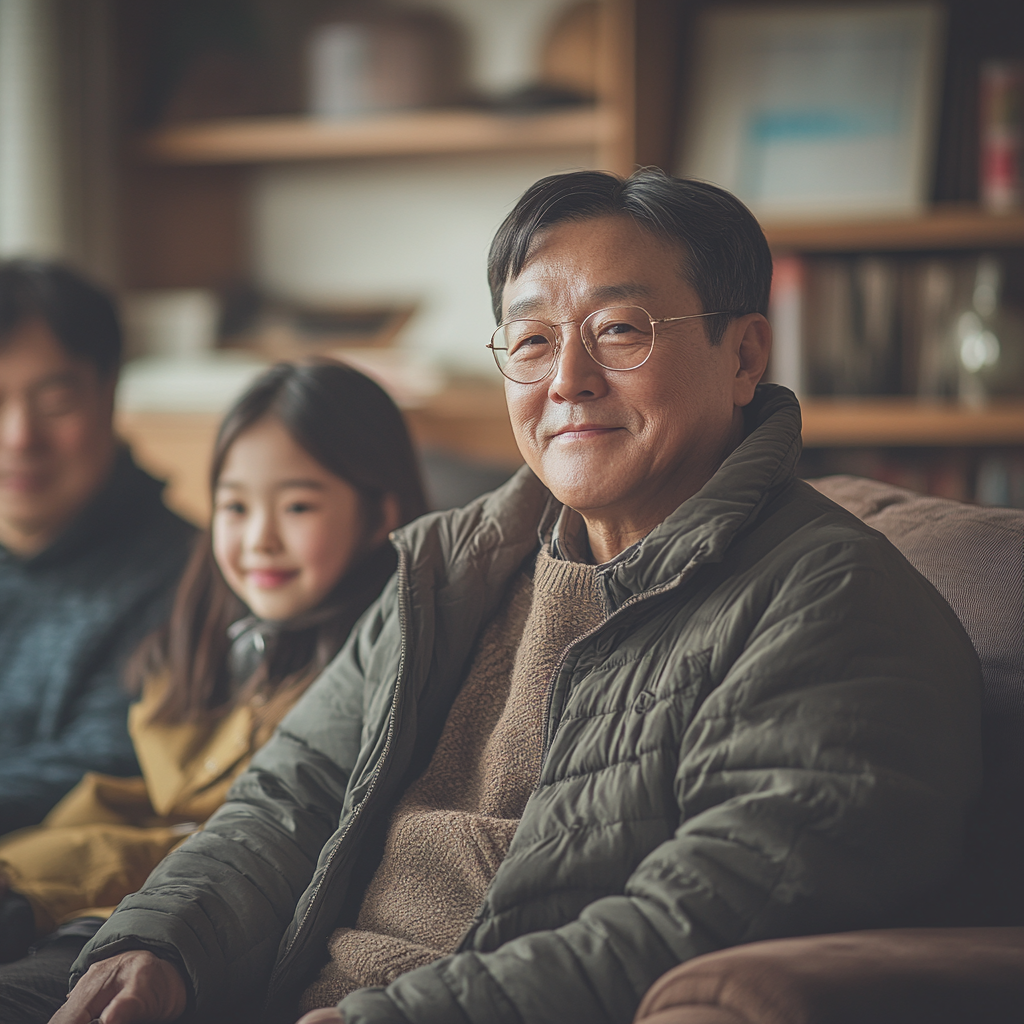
[{"x": 450, "y": 832}]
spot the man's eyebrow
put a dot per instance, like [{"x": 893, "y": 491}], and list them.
[
  {"x": 621, "y": 291},
  {"x": 606, "y": 293},
  {"x": 58, "y": 377},
  {"x": 521, "y": 306}
]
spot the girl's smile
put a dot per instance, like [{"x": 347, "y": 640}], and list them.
[
  {"x": 285, "y": 529},
  {"x": 270, "y": 579}
]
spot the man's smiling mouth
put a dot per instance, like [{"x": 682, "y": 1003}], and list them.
[{"x": 583, "y": 431}]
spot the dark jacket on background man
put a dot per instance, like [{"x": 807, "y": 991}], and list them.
[
  {"x": 69, "y": 618},
  {"x": 775, "y": 731}
]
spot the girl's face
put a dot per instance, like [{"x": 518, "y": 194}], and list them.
[{"x": 285, "y": 529}]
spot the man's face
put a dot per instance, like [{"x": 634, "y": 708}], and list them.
[
  {"x": 623, "y": 447},
  {"x": 56, "y": 436}
]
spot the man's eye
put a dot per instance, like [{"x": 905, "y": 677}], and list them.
[
  {"x": 531, "y": 345},
  {"x": 56, "y": 400},
  {"x": 618, "y": 331}
]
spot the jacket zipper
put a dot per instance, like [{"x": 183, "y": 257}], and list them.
[
  {"x": 628, "y": 603},
  {"x": 403, "y": 614},
  {"x": 636, "y": 599}
]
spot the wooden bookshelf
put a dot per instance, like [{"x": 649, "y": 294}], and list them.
[
  {"x": 184, "y": 215},
  {"x": 910, "y": 422},
  {"x": 953, "y": 227},
  {"x": 413, "y": 133}
]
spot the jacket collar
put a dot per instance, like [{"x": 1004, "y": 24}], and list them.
[
  {"x": 484, "y": 543},
  {"x": 704, "y": 526}
]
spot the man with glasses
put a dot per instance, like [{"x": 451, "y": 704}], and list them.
[
  {"x": 89, "y": 555},
  {"x": 651, "y": 698}
]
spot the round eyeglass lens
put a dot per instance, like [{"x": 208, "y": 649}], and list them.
[
  {"x": 619, "y": 338},
  {"x": 524, "y": 350}
]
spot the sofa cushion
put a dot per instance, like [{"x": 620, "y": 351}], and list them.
[{"x": 974, "y": 557}]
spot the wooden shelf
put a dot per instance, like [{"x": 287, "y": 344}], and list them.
[
  {"x": 953, "y": 227},
  {"x": 910, "y": 422},
  {"x": 414, "y": 133},
  {"x": 471, "y": 421}
]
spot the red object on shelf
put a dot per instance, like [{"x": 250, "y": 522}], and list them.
[{"x": 1002, "y": 134}]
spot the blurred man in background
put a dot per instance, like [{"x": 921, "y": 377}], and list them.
[{"x": 88, "y": 552}]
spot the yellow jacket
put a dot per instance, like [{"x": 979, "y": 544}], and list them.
[{"x": 102, "y": 840}]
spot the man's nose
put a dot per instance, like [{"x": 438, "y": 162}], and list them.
[
  {"x": 576, "y": 375},
  {"x": 18, "y": 427}
]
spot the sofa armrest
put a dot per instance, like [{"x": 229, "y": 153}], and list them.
[{"x": 896, "y": 976}]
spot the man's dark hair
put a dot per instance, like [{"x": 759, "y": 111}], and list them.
[
  {"x": 82, "y": 316},
  {"x": 726, "y": 257}
]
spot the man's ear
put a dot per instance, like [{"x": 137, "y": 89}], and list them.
[
  {"x": 390, "y": 518},
  {"x": 751, "y": 336}
]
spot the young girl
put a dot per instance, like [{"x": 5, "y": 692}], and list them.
[{"x": 312, "y": 468}]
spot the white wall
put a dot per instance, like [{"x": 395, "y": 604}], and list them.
[
  {"x": 31, "y": 209},
  {"x": 416, "y": 229},
  {"x": 413, "y": 228}
]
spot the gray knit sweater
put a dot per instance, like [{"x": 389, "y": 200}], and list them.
[{"x": 69, "y": 617}]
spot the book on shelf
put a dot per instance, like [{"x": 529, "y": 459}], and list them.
[{"x": 932, "y": 326}]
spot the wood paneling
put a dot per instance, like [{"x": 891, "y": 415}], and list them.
[{"x": 183, "y": 227}]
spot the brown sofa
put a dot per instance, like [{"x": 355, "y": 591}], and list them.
[{"x": 950, "y": 975}]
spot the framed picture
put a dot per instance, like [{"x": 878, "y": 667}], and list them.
[{"x": 816, "y": 111}]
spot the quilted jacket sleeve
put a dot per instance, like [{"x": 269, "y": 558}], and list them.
[{"x": 822, "y": 784}]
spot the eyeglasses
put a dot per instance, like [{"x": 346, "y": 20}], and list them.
[{"x": 617, "y": 338}]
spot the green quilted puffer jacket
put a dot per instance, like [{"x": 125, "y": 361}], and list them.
[{"x": 775, "y": 732}]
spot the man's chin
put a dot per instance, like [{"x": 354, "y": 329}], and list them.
[
  {"x": 588, "y": 497},
  {"x": 25, "y": 512}
]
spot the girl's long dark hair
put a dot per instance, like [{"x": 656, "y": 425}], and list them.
[{"x": 352, "y": 428}]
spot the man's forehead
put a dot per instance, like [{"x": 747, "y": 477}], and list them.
[
  {"x": 32, "y": 356},
  {"x": 536, "y": 298},
  {"x": 600, "y": 260}
]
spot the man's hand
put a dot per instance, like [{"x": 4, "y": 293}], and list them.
[
  {"x": 130, "y": 988},
  {"x": 329, "y": 1015}
]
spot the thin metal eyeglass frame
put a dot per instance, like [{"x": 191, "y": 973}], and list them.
[{"x": 565, "y": 323}]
